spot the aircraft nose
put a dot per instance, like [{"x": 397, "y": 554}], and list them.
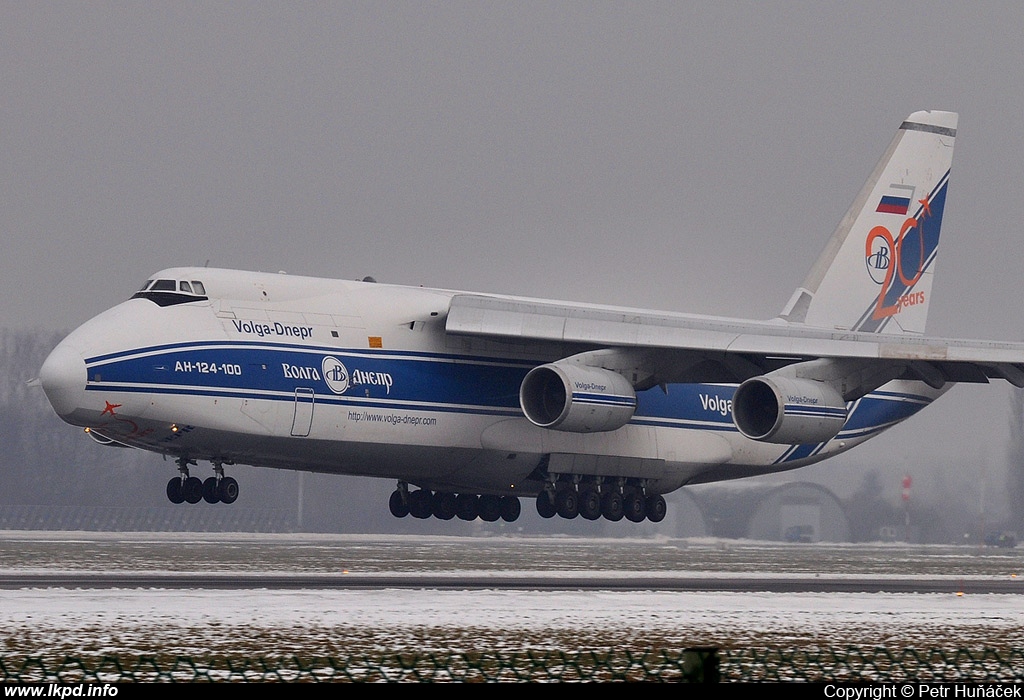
[{"x": 63, "y": 378}]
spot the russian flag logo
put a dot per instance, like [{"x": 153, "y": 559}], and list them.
[{"x": 896, "y": 200}]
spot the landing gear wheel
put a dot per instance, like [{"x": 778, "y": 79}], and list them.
[
  {"x": 174, "y": 491},
  {"x": 656, "y": 508},
  {"x": 192, "y": 489},
  {"x": 634, "y": 506},
  {"x": 420, "y": 503},
  {"x": 228, "y": 490},
  {"x": 567, "y": 503},
  {"x": 590, "y": 503},
  {"x": 211, "y": 490},
  {"x": 546, "y": 505},
  {"x": 398, "y": 505},
  {"x": 611, "y": 505},
  {"x": 510, "y": 509},
  {"x": 490, "y": 508},
  {"x": 444, "y": 505},
  {"x": 467, "y": 506}
]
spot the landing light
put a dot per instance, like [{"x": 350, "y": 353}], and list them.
[{"x": 174, "y": 427}]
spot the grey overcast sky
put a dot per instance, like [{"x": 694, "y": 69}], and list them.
[{"x": 676, "y": 155}]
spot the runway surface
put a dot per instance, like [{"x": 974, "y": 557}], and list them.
[
  {"x": 736, "y": 583},
  {"x": 320, "y": 562},
  {"x": 301, "y": 553}
]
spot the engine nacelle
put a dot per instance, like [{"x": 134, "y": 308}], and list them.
[
  {"x": 788, "y": 411},
  {"x": 576, "y": 398}
]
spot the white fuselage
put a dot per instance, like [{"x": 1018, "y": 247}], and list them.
[{"x": 362, "y": 378}]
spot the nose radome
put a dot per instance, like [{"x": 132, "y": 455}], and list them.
[{"x": 63, "y": 378}]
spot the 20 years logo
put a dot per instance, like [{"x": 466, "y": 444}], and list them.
[{"x": 891, "y": 260}]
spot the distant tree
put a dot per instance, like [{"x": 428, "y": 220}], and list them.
[
  {"x": 869, "y": 512},
  {"x": 1015, "y": 472}
]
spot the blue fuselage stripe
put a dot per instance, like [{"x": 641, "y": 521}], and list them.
[{"x": 429, "y": 382}]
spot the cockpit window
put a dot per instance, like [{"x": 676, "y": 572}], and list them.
[{"x": 171, "y": 292}]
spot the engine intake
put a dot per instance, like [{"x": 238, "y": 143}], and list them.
[
  {"x": 788, "y": 411},
  {"x": 576, "y": 398}
]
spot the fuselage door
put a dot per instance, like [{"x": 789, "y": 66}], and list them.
[{"x": 302, "y": 421}]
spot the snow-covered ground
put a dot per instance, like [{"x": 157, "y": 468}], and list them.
[
  {"x": 329, "y": 622},
  {"x": 332, "y": 622}
]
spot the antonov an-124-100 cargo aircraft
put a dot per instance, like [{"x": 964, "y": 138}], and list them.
[{"x": 471, "y": 402}]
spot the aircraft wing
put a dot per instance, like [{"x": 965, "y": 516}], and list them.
[{"x": 683, "y": 336}]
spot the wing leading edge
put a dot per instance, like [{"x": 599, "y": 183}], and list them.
[{"x": 682, "y": 337}]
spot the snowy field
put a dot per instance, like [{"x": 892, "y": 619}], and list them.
[
  {"x": 56, "y": 622},
  {"x": 315, "y": 623}
]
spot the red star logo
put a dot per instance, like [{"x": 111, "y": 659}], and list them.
[
  {"x": 925, "y": 209},
  {"x": 110, "y": 408}
]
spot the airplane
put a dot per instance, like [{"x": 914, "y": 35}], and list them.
[{"x": 473, "y": 401}]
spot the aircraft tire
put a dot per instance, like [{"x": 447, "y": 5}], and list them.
[
  {"x": 590, "y": 503},
  {"x": 420, "y": 502},
  {"x": 567, "y": 502},
  {"x": 444, "y": 505},
  {"x": 397, "y": 505},
  {"x": 510, "y": 508},
  {"x": 634, "y": 507},
  {"x": 210, "y": 490},
  {"x": 192, "y": 489},
  {"x": 227, "y": 490},
  {"x": 490, "y": 508},
  {"x": 656, "y": 508},
  {"x": 467, "y": 506},
  {"x": 174, "y": 492},
  {"x": 611, "y": 505},
  {"x": 546, "y": 505}
]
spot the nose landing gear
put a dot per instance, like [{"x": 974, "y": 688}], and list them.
[{"x": 192, "y": 489}]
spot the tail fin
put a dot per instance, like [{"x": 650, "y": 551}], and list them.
[{"x": 875, "y": 274}]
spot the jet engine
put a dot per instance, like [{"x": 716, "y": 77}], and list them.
[
  {"x": 787, "y": 410},
  {"x": 576, "y": 398}
]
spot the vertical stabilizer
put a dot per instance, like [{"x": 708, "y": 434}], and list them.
[{"x": 875, "y": 275}]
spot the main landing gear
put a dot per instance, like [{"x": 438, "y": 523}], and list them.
[
  {"x": 608, "y": 500},
  {"x": 192, "y": 489},
  {"x": 612, "y": 500},
  {"x": 423, "y": 503}
]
